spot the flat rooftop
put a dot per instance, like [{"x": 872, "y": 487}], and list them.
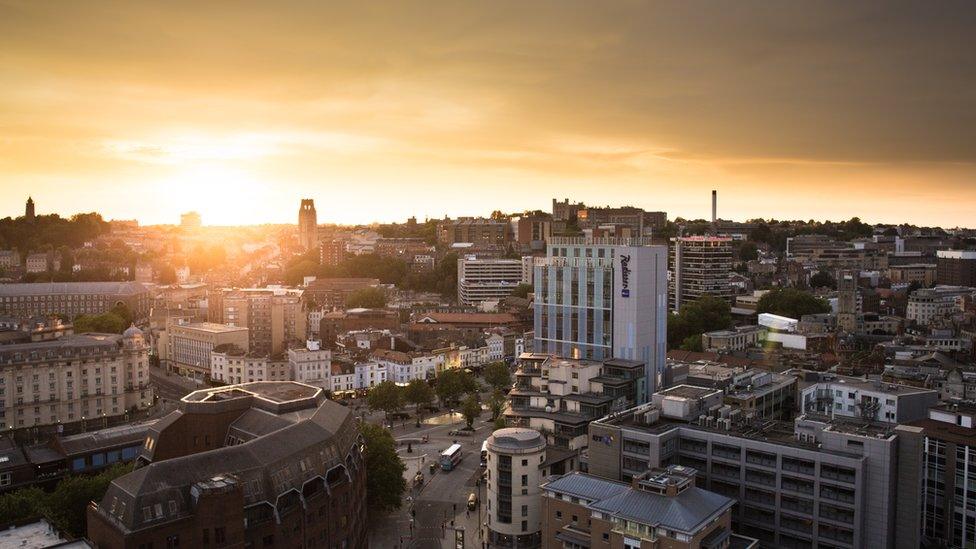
[
  {"x": 687, "y": 391},
  {"x": 212, "y": 327},
  {"x": 278, "y": 392}
]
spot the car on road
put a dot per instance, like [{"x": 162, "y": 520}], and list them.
[{"x": 472, "y": 501}]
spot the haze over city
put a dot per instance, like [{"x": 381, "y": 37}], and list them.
[{"x": 794, "y": 111}]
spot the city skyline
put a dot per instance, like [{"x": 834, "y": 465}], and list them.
[{"x": 791, "y": 111}]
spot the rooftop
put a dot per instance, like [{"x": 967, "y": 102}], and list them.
[
  {"x": 516, "y": 438},
  {"x": 211, "y": 327},
  {"x": 72, "y": 288},
  {"x": 687, "y": 511}
]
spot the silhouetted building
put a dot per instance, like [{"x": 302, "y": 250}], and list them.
[
  {"x": 265, "y": 464},
  {"x": 308, "y": 225},
  {"x": 29, "y": 209}
]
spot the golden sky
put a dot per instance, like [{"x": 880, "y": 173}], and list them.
[{"x": 380, "y": 111}]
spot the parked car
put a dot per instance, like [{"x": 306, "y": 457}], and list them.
[{"x": 472, "y": 501}]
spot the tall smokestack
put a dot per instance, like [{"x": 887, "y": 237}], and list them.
[{"x": 714, "y": 206}]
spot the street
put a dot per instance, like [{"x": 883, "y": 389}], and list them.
[{"x": 439, "y": 508}]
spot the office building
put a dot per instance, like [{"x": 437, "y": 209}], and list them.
[
  {"x": 870, "y": 400},
  {"x": 513, "y": 515},
  {"x": 937, "y": 478},
  {"x": 923, "y": 274},
  {"x": 561, "y": 396},
  {"x": 956, "y": 267},
  {"x": 928, "y": 304},
  {"x": 308, "y": 225},
  {"x": 662, "y": 508},
  {"x": 331, "y": 252},
  {"x": 272, "y": 464},
  {"x": 483, "y": 234},
  {"x": 185, "y": 348},
  {"x": 765, "y": 394},
  {"x": 813, "y": 482},
  {"x": 274, "y": 317},
  {"x": 70, "y": 299},
  {"x": 72, "y": 378},
  {"x": 699, "y": 266},
  {"x": 603, "y": 298},
  {"x": 331, "y": 293},
  {"x": 481, "y": 279}
]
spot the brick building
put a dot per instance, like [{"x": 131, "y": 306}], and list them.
[{"x": 270, "y": 464}]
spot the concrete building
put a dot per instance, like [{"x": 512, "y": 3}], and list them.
[
  {"x": 733, "y": 339},
  {"x": 308, "y": 225},
  {"x": 331, "y": 252},
  {"x": 603, "y": 298},
  {"x": 483, "y": 234},
  {"x": 937, "y": 479},
  {"x": 662, "y": 508},
  {"x": 872, "y": 400},
  {"x": 73, "y": 378},
  {"x": 513, "y": 503},
  {"x": 699, "y": 266},
  {"x": 561, "y": 396},
  {"x": 847, "y": 302},
  {"x": 810, "y": 483},
  {"x": 956, "y": 267},
  {"x": 272, "y": 464},
  {"x": 274, "y": 317},
  {"x": 928, "y": 304},
  {"x": 332, "y": 292},
  {"x": 765, "y": 394},
  {"x": 480, "y": 279},
  {"x": 185, "y": 348},
  {"x": 923, "y": 274},
  {"x": 70, "y": 299}
]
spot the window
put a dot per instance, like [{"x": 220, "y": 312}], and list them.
[
  {"x": 525, "y": 480},
  {"x": 4, "y": 479},
  {"x": 220, "y": 535},
  {"x": 525, "y": 510}
]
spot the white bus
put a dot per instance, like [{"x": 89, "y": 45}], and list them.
[
  {"x": 451, "y": 457},
  {"x": 484, "y": 454}
]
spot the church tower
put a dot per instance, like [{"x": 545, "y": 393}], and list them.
[{"x": 29, "y": 210}]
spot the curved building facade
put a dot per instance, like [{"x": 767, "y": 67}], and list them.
[
  {"x": 513, "y": 504},
  {"x": 264, "y": 464}
]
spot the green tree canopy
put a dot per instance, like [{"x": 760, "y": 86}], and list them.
[
  {"x": 105, "y": 323},
  {"x": 64, "y": 507},
  {"x": 748, "y": 251},
  {"x": 385, "y": 484},
  {"x": 792, "y": 303},
  {"x": 823, "y": 279},
  {"x": 386, "y": 396},
  {"x": 496, "y": 404},
  {"x": 705, "y": 314},
  {"x": 454, "y": 384},
  {"x": 418, "y": 392},
  {"x": 471, "y": 409},
  {"x": 498, "y": 376},
  {"x": 369, "y": 298},
  {"x": 523, "y": 290}
]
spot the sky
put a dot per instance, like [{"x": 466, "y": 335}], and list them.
[{"x": 383, "y": 110}]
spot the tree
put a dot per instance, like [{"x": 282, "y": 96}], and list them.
[
  {"x": 705, "y": 314},
  {"x": 500, "y": 423},
  {"x": 692, "y": 343},
  {"x": 418, "y": 393},
  {"x": 64, "y": 507},
  {"x": 496, "y": 404},
  {"x": 385, "y": 484},
  {"x": 748, "y": 251},
  {"x": 823, "y": 279},
  {"x": 471, "y": 409},
  {"x": 792, "y": 303},
  {"x": 498, "y": 376},
  {"x": 386, "y": 396},
  {"x": 369, "y": 298},
  {"x": 105, "y": 323},
  {"x": 454, "y": 384},
  {"x": 523, "y": 290}
]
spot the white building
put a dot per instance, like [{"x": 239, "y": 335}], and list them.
[
  {"x": 369, "y": 374},
  {"x": 310, "y": 365},
  {"x": 513, "y": 505},
  {"x": 873, "y": 400},
  {"x": 496, "y": 347},
  {"x": 230, "y": 364},
  {"x": 402, "y": 368},
  {"x": 487, "y": 279},
  {"x": 927, "y": 304},
  {"x": 477, "y": 356},
  {"x": 343, "y": 378}
]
